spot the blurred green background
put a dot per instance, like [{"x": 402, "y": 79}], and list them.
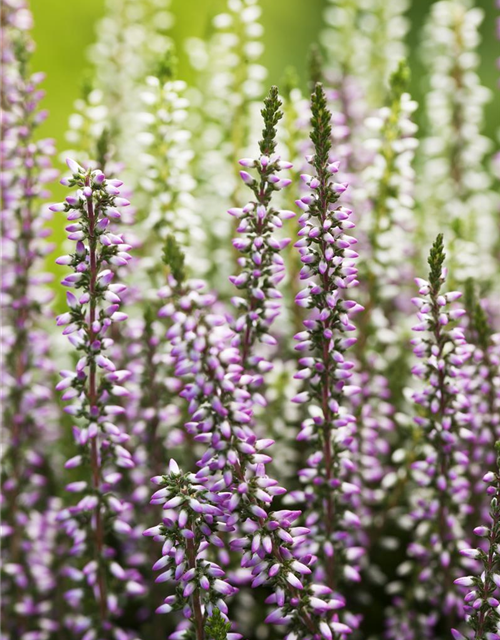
[{"x": 65, "y": 28}]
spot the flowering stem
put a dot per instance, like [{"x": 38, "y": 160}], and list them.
[
  {"x": 322, "y": 151},
  {"x": 327, "y": 261}
]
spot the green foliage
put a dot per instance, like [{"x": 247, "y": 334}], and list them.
[
  {"x": 173, "y": 258},
  {"x": 271, "y": 114},
  {"x": 436, "y": 261},
  {"x": 217, "y": 628}
]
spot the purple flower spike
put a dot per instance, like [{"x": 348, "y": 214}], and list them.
[
  {"x": 94, "y": 392},
  {"x": 440, "y": 489},
  {"x": 262, "y": 266},
  {"x": 329, "y": 268}
]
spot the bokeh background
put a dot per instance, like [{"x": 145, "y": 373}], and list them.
[{"x": 65, "y": 28}]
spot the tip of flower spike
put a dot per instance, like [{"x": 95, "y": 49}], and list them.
[
  {"x": 271, "y": 115},
  {"x": 436, "y": 260}
]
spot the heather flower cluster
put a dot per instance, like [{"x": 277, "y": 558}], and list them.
[
  {"x": 222, "y": 420},
  {"x": 262, "y": 267},
  {"x": 329, "y": 263},
  {"x": 441, "y": 494},
  {"x": 94, "y": 390}
]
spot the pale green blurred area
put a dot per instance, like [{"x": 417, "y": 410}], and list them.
[{"x": 65, "y": 28}]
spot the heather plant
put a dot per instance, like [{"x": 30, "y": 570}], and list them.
[
  {"x": 267, "y": 444},
  {"x": 439, "y": 500},
  {"x": 131, "y": 38},
  {"x": 328, "y": 261},
  {"x": 167, "y": 203},
  {"x": 94, "y": 390}
]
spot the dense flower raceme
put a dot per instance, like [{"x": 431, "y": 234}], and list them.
[
  {"x": 29, "y": 414},
  {"x": 329, "y": 263},
  {"x": 262, "y": 267},
  {"x": 482, "y": 603},
  {"x": 94, "y": 391},
  {"x": 440, "y": 491},
  {"x": 233, "y": 469}
]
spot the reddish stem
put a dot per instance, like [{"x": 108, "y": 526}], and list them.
[
  {"x": 92, "y": 397},
  {"x": 197, "y": 612}
]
